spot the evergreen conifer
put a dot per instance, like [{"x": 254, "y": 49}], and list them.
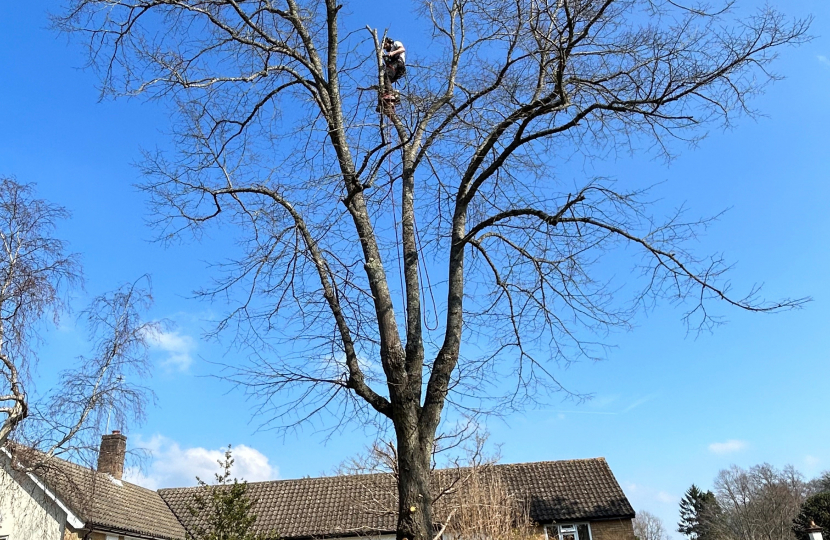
[
  {"x": 815, "y": 509},
  {"x": 224, "y": 510},
  {"x": 698, "y": 514}
]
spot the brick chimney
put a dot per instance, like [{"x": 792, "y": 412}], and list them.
[{"x": 111, "y": 456}]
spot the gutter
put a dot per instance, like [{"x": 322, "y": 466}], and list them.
[
  {"x": 126, "y": 533},
  {"x": 586, "y": 519},
  {"x": 73, "y": 519}
]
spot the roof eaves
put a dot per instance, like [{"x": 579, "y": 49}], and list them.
[
  {"x": 632, "y": 515},
  {"x": 72, "y": 518},
  {"x": 368, "y": 533},
  {"x": 99, "y": 528}
]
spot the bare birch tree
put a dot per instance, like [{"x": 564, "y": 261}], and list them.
[
  {"x": 647, "y": 526},
  {"x": 37, "y": 272},
  {"x": 453, "y": 192},
  {"x": 33, "y": 268}
]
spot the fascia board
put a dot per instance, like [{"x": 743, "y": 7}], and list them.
[{"x": 71, "y": 518}]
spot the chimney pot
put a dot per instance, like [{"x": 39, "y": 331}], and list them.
[{"x": 111, "y": 455}]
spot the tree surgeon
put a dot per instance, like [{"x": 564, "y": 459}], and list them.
[{"x": 394, "y": 58}]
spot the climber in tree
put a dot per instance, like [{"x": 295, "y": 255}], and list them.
[{"x": 394, "y": 57}]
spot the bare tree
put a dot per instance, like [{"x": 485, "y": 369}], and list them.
[
  {"x": 820, "y": 484},
  {"x": 471, "y": 498},
  {"x": 481, "y": 506},
  {"x": 647, "y": 526},
  {"x": 759, "y": 503},
  {"x": 103, "y": 388},
  {"x": 453, "y": 193},
  {"x": 33, "y": 268},
  {"x": 36, "y": 274}
]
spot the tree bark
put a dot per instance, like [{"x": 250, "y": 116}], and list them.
[{"x": 414, "y": 494}]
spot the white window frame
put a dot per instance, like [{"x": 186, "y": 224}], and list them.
[{"x": 554, "y": 532}]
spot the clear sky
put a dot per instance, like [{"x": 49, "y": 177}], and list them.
[{"x": 669, "y": 409}]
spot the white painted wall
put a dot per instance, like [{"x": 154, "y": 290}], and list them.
[{"x": 25, "y": 510}]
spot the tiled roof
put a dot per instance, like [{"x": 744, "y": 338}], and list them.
[
  {"x": 568, "y": 490},
  {"x": 103, "y": 502},
  {"x": 349, "y": 505}
]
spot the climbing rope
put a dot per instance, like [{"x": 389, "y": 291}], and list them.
[
  {"x": 429, "y": 282},
  {"x": 423, "y": 271},
  {"x": 395, "y": 223}
]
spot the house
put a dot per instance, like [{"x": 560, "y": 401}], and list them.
[
  {"x": 569, "y": 500},
  {"x": 60, "y": 500}
]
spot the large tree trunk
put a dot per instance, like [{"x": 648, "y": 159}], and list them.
[
  {"x": 413, "y": 464},
  {"x": 414, "y": 494}
]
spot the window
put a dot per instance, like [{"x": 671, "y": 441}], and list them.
[{"x": 568, "y": 531}]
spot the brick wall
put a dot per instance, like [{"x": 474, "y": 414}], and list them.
[
  {"x": 102, "y": 536},
  {"x": 618, "y": 529},
  {"x": 69, "y": 534}
]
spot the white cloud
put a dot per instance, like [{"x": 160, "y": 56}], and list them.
[
  {"x": 649, "y": 494},
  {"x": 824, "y": 60},
  {"x": 170, "y": 465},
  {"x": 604, "y": 401},
  {"x": 728, "y": 447},
  {"x": 812, "y": 464},
  {"x": 177, "y": 347},
  {"x": 662, "y": 496}
]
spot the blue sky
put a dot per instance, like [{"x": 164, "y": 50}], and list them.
[{"x": 669, "y": 409}]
